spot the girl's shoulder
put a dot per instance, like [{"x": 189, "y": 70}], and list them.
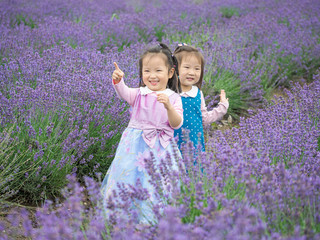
[
  {"x": 172, "y": 94},
  {"x": 194, "y": 91},
  {"x": 195, "y": 88}
]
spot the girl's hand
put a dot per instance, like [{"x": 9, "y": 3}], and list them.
[
  {"x": 117, "y": 74},
  {"x": 223, "y": 98},
  {"x": 173, "y": 117},
  {"x": 163, "y": 98}
]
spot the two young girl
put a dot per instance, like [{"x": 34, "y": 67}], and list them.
[{"x": 158, "y": 112}]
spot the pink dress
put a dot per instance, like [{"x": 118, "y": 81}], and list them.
[{"x": 148, "y": 132}]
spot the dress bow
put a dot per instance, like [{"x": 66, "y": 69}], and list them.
[{"x": 149, "y": 135}]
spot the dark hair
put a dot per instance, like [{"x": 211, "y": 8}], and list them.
[
  {"x": 182, "y": 50},
  {"x": 173, "y": 82}
]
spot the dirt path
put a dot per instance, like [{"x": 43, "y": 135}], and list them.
[{"x": 13, "y": 232}]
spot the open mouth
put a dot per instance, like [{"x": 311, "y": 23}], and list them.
[{"x": 153, "y": 83}]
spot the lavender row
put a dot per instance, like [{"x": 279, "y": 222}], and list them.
[
  {"x": 258, "y": 181},
  {"x": 55, "y": 91},
  {"x": 261, "y": 45}
]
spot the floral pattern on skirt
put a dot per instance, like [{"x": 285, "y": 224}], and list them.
[{"x": 128, "y": 166}]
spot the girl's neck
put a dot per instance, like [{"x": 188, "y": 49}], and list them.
[
  {"x": 160, "y": 90},
  {"x": 186, "y": 88}
]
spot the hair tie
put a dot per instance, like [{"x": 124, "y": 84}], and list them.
[{"x": 182, "y": 44}]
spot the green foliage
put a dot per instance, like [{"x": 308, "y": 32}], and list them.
[
  {"x": 159, "y": 32},
  {"x": 234, "y": 188},
  {"x": 278, "y": 69},
  {"x": 202, "y": 35},
  {"x": 114, "y": 16},
  {"x": 181, "y": 38},
  {"x": 284, "y": 20},
  {"x": 101, "y": 152},
  {"x": 10, "y": 165},
  {"x": 139, "y": 9},
  {"x": 102, "y": 48},
  {"x": 27, "y": 21},
  {"x": 289, "y": 65},
  {"x": 37, "y": 154},
  {"x": 143, "y": 34},
  {"x": 193, "y": 211},
  {"x": 297, "y": 213},
  {"x": 78, "y": 19},
  {"x": 72, "y": 42},
  {"x": 122, "y": 44},
  {"x": 113, "y": 40},
  {"x": 270, "y": 75},
  {"x": 199, "y": 191},
  {"x": 183, "y": 15},
  {"x": 229, "y": 12},
  {"x": 215, "y": 80},
  {"x": 3, "y": 61},
  {"x": 40, "y": 157}
]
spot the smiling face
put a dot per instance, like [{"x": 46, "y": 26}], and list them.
[
  {"x": 189, "y": 71},
  {"x": 155, "y": 72}
]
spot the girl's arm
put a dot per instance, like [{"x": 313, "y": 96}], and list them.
[
  {"x": 216, "y": 113},
  {"x": 175, "y": 110},
  {"x": 123, "y": 91}
]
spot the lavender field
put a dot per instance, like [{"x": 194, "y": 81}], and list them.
[{"x": 61, "y": 120}]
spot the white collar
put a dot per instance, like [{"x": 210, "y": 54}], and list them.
[
  {"x": 145, "y": 90},
  {"x": 191, "y": 93}
]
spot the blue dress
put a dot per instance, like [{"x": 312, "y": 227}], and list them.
[{"x": 192, "y": 124}]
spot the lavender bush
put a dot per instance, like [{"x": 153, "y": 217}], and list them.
[{"x": 60, "y": 126}]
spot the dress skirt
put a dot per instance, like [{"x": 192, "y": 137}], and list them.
[{"x": 128, "y": 166}]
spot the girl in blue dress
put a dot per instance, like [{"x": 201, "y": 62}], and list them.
[{"x": 191, "y": 67}]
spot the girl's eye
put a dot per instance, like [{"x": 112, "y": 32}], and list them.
[
  {"x": 186, "y": 67},
  {"x": 146, "y": 71},
  {"x": 159, "y": 70},
  {"x": 197, "y": 69}
]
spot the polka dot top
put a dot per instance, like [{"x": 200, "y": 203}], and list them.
[{"x": 192, "y": 125}]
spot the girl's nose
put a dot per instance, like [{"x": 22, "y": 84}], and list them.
[{"x": 152, "y": 75}]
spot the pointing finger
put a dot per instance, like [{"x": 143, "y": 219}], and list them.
[{"x": 116, "y": 66}]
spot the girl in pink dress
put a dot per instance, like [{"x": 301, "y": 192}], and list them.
[{"x": 156, "y": 112}]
